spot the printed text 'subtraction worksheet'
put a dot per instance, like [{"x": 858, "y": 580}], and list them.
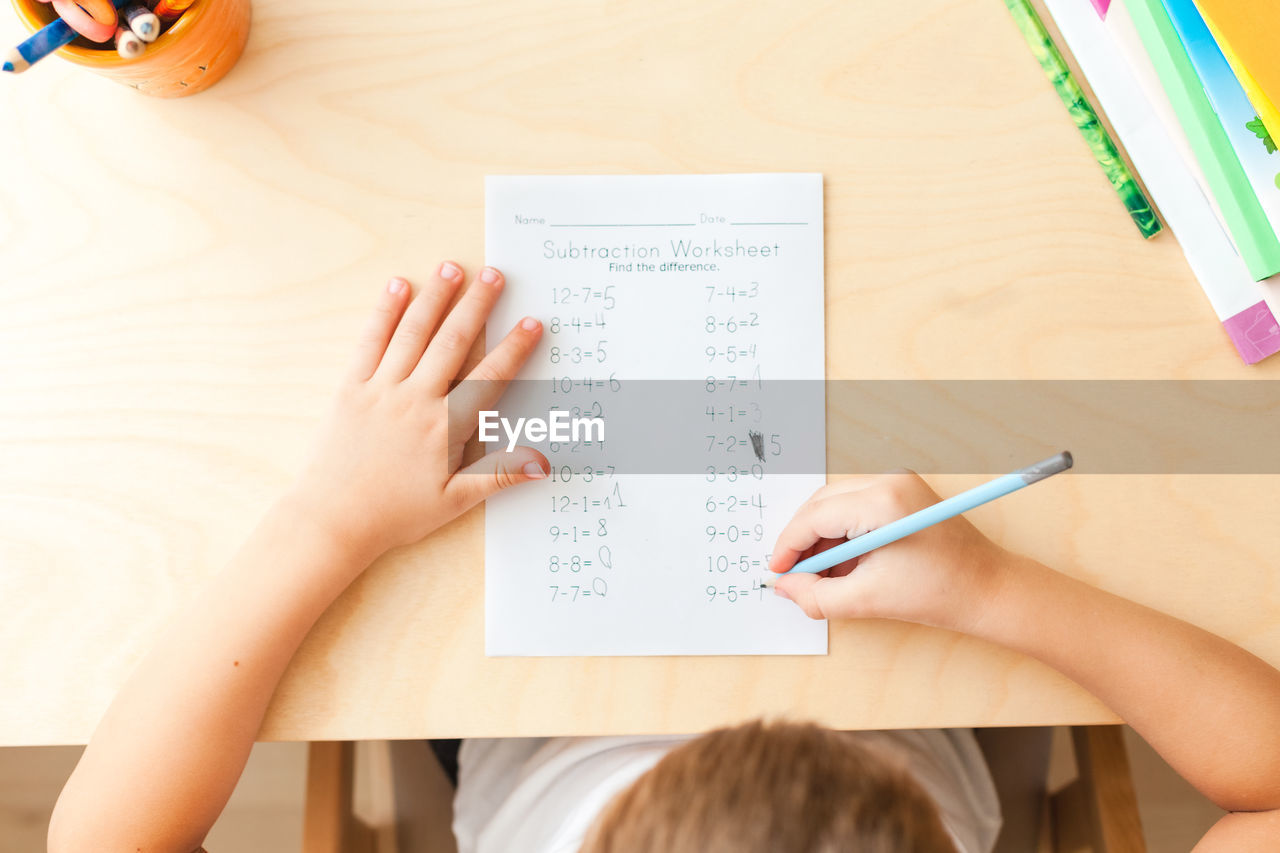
[{"x": 689, "y": 307}]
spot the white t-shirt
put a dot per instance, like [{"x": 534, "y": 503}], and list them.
[{"x": 541, "y": 795}]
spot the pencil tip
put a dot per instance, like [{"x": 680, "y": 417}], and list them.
[{"x": 8, "y": 66}]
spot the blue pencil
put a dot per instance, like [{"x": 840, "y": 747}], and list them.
[
  {"x": 42, "y": 43},
  {"x": 929, "y": 516}
]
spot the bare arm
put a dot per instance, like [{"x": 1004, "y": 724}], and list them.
[
  {"x": 166, "y": 756},
  {"x": 170, "y": 749},
  {"x": 1211, "y": 709}
]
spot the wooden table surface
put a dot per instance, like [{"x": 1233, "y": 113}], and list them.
[{"x": 181, "y": 281}]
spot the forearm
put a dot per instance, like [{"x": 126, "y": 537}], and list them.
[
  {"x": 168, "y": 752},
  {"x": 1211, "y": 709},
  {"x": 1242, "y": 833}
]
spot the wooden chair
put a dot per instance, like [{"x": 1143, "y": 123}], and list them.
[
  {"x": 1097, "y": 812},
  {"x": 329, "y": 824},
  {"x": 412, "y": 799}
]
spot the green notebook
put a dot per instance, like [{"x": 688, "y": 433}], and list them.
[{"x": 1245, "y": 220}]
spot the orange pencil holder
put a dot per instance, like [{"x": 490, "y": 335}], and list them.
[{"x": 195, "y": 52}]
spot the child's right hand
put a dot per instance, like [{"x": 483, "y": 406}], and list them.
[{"x": 944, "y": 575}]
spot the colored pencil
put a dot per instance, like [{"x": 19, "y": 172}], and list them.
[
  {"x": 144, "y": 23},
  {"x": 1086, "y": 120},
  {"x": 128, "y": 44},
  {"x": 41, "y": 43},
  {"x": 171, "y": 10},
  {"x": 929, "y": 516}
]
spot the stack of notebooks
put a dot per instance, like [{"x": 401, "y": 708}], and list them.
[{"x": 1192, "y": 89}]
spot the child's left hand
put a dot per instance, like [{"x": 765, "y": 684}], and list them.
[{"x": 385, "y": 472}]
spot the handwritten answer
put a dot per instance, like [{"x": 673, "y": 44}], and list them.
[{"x": 676, "y": 308}]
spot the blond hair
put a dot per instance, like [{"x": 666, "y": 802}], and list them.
[{"x": 772, "y": 788}]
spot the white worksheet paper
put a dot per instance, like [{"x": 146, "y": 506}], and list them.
[{"x": 712, "y": 280}]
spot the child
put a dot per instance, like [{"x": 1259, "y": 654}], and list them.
[{"x": 169, "y": 750}]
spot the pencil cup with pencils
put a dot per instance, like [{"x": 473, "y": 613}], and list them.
[{"x": 178, "y": 47}]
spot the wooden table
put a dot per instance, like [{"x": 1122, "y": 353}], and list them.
[{"x": 183, "y": 280}]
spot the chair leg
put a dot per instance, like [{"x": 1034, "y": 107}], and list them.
[
  {"x": 423, "y": 799},
  {"x": 1099, "y": 810},
  {"x": 329, "y": 825},
  {"x": 1018, "y": 759}
]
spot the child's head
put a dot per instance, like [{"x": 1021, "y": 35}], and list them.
[{"x": 769, "y": 787}]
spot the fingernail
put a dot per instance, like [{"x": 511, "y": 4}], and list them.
[
  {"x": 534, "y": 471},
  {"x": 529, "y": 324},
  {"x": 396, "y": 285},
  {"x": 779, "y": 591},
  {"x": 490, "y": 276},
  {"x": 450, "y": 272}
]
